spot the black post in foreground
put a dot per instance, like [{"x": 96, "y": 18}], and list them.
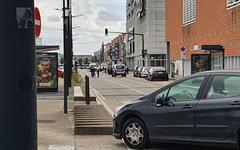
[
  {"x": 65, "y": 37},
  {"x": 87, "y": 92},
  {"x": 18, "y": 120}
]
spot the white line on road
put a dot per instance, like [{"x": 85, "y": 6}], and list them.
[{"x": 128, "y": 87}]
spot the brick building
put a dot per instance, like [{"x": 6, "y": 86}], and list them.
[
  {"x": 115, "y": 50},
  {"x": 194, "y": 23}
]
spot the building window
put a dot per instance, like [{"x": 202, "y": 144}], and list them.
[
  {"x": 130, "y": 47},
  {"x": 133, "y": 46},
  {"x": 233, "y": 3},
  {"x": 158, "y": 60},
  {"x": 189, "y": 11}
]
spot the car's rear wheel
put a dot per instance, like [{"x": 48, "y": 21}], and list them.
[
  {"x": 135, "y": 134},
  {"x": 151, "y": 78},
  {"x": 167, "y": 78}
]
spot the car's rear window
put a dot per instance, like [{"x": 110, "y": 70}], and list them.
[
  {"x": 120, "y": 67},
  {"x": 159, "y": 69}
]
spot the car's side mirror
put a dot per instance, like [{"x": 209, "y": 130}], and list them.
[{"x": 160, "y": 101}]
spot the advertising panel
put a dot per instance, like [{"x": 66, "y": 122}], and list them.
[{"x": 47, "y": 65}]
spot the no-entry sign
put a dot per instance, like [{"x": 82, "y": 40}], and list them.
[{"x": 37, "y": 22}]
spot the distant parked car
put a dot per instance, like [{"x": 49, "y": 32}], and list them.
[
  {"x": 119, "y": 69},
  {"x": 157, "y": 73},
  {"x": 135, "y": 72},
  {"x": 203, "y": 108},
  {"x": 139, "y": 70},
  {"x": 60, "y": 73},
  {"x": 144, "y": 72}
]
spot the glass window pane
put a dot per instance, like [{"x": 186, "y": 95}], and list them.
[
  {"x": 162, "y": 94},
  {"x": 224, "y": 87},
  {"x": 186, "y": 90},
  {"x": 152, "y": 63}
]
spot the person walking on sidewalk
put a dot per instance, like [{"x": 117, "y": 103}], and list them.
[
  {"x": 92, "y": 70},
  {"x": 98, "y": 70},
  {"x": 126, "y": 69}
]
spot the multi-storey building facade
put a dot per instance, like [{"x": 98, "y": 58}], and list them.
[
  {"x": 146, "y": 17},
  {"x": 115, "y": 50},
  {"x": 209, "y": 31}
]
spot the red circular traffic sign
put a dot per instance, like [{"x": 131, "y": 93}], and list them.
[{"x": 38, "y": 23}]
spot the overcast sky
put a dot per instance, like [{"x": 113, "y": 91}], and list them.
[{"x": 97, "y": 15}]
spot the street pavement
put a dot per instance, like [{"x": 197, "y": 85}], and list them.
[{"x": 120, "y": 90}]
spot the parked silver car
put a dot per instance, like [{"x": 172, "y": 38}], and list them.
[{"x": 144, "y": 72}]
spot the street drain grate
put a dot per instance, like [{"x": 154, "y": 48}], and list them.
[
  {"x": 46, "y": 121},
  {"x": 60, "y": 147}
]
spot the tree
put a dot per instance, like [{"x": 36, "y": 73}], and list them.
[
  {"x": 80, "y": 61},
  {"x": 86, "y": 61}
]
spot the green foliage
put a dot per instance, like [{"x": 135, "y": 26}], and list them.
[
  {"x": 86, "y": 61},
  {"x": 76, "y": 79},
  {"x": 80, "y": 61}
]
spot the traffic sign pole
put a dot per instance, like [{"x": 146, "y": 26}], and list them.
[
  {"x": 183, "y": 67},
  {"x": 18, "y": 117},
  {"x": 183, "y": 55}
]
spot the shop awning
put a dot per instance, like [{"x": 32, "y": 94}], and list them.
[
  {"x": 209, "y": 48},
  {"x": 212, "y": 47}
]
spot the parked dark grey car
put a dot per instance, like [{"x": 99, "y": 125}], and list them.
[
  {"x": 157, "y": 73},
  {"x": 203, "y": 108}
]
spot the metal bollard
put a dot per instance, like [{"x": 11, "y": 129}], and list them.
[{"x": 87, "y": 88}]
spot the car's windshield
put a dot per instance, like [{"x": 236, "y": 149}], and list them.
[{"x": 120, "y": 67}]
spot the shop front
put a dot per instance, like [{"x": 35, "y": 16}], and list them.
[{"x": 212, "y": 59}]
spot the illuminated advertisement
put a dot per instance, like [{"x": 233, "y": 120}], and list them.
[{"x": 47, "y": 80}]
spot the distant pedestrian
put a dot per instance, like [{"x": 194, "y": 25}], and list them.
[
  {"x": 92, "y": 70},
  {"x": 105, "y": 69},
  {"x": 127, "y": 70},
  {"x": 98, "y": 70}
]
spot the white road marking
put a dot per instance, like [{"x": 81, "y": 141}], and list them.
[{"x": 128, "y": 87}]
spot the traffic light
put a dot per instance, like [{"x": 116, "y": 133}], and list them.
[{"x": 106, "y": 32}]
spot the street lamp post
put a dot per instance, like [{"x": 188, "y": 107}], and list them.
[
  {"x": 66, "y": 54},
  {"x": 68, "y": 48},
  {"x": 18, "y": 125}
]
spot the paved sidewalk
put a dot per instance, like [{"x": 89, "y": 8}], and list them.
[{"x": 55, "y": 128}]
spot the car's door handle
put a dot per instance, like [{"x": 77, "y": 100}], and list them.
[
  {"x": 188, "y": 106},
  {"x": 235, "y": 103}
]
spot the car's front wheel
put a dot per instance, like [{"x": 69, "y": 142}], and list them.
[{"x": 135, "y": 134}]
